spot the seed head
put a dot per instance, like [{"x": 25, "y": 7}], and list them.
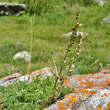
[
  {"x": 73, "y": 66},
  {"x": 77, "y": 53}
]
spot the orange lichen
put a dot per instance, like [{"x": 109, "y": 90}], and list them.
[
  {"x": 91, "y": 106},
  {"x": 108, "y": 105},
  {"x": 66, "y": 81},
  {"x": 72, "y": 96},
  {"x": 73, "y": 100},
  {"x": 55, "y": 109},
  {"x": 79, "y": 96},
  {"x": 67, "y": 104},
  {"x": 106, "y": 82},
  {"x": 65, "y": 97},
  {"x": 82, "y": 91},
  {"x": 79, "y": 78},
  {"x": 82, "y": 105},
  {"x": 98, "y": 108},
  {"x": 106, "y": 108},
  {"x": 84, "y": 85},
  {"x": 87, "y": 108},
  {"x": 104, "y": 95},
  {"x": 60, "y": 104},
  {"x": 62, "y": 108}
]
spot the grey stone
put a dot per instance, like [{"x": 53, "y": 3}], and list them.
[
  {"x": 11, "y": 8},
  {"x": 22, "y": 55},
  {"x": 107, "y": 19},
  {"x": 88, "y": 94},
  {"x": 14, "y": 76},
  {"x": 86, "y": 102},
  {"x": 100, "y": 2},
  {"x": 26, "y": 78}
]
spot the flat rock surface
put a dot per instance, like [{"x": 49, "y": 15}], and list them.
[
  {"x": 91, "y": 92},
  {"x": 107, "y": 19}
]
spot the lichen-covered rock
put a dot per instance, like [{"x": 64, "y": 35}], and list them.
[
  {"x": 5, "y": 79},
  {"x": 88, "y": 100},
  {"x": 105, "y": 71},
  {"x": 11, "y": 8},
  {"x": 91, "y": 92},
  {"x": 28, "y": 77}
]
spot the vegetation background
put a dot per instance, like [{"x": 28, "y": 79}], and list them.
[{"x": 53, "y": 18}]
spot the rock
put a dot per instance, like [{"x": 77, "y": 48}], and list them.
[
  {"x": 100, "y": 2},
  {"x": 70, "y": 33},
  {"x": 11, "y": 8},
  {"x": 107, "y": 19},
  {"x": 90, "y": 101},
  {"x": 28, "y": 77},
  {"x": 20, "y": 13},
  {"x": 105, "y": 71},
  {"x": 22, "y": 55},
  {"x": 5, "y": 79},
  {"x": 90, "y": 92}
]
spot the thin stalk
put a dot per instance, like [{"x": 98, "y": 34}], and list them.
[
  {"x": 60, "y": 74},
  {"x": 32, "y": 36}
]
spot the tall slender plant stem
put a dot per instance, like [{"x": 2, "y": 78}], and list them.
[
  {"x": 32, "y": 21},
  {"x": 59, "y": 77}
]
